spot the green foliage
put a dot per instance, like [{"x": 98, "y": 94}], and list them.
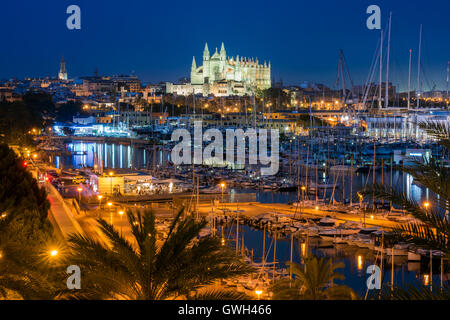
[
  {"x": 18, "y": 118},
  {"x": 66, "y": 111},
  {"x": 19, "y": 191},
  {"x": 153, "y": 269},
  {"x": 313, "y": 281},
  {"x": 416, "y": 291},
  {"x": 24, "y": 233}
]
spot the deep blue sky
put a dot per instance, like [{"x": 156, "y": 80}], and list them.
[{"x": 157, "y": 39}]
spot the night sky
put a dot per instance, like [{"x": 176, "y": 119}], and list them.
[{"x": 157, "y": 39}]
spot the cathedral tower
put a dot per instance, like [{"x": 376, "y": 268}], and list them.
[{"x": 62, "y": 75}]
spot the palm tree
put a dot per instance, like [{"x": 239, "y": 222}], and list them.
[
  {"x": 431, "y": 229},
  {"x": 314, "y": 281},
  {"x": 151, "y": 270},
  {"x": 27, "y": 270}
]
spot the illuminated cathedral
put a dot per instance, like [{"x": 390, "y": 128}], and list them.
[{"x": 224, "y": 76}]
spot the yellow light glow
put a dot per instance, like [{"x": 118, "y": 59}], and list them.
[
  {"x": 303, "y": 249},
  {"x": 109, "y": 204},
  {"x": 54, "y": 253},
  {"x": 426, "y": 204},
  {"x": 121, "y": 212},
  {"x": 426, "y": 279},
  {"x": 360, "y": 263},
  {"x": 99, "y": 197}
]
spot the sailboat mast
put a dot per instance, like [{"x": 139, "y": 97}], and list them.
[
  {"x": 381, "y": 70},
  {"x": 386, "y": 102},
  {"x": 448, "y": 72},
  {"x": 418, "y": 68},
  {"x": 409, "y": 80}
]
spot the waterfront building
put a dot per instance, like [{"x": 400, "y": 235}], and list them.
[{"x": 220, "y": 75}]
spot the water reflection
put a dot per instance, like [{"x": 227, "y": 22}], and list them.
[{"x": 79, "y": 154}]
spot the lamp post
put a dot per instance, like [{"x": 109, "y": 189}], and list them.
[
  {"x": 110, "y": 213},
  {"x": 222, "y": 185},
  {"x": 258, "y": 293},
  {"x": 303, "y": 198},
  {"x": 111, "y": 176},
  {"x": 99, "y": 197},
  {"x": 79, "y": 189},
  {"x": 426, "y": 205},
  {"x": 360, "y": 196},
  {"x": 121, "y": 214}
]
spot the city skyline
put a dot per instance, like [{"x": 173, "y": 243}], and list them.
[{"x": 118, "y": 41}]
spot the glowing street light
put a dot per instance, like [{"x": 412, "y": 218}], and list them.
[
  {"x": 258, "y": 293},
  {"x": 79, "y": 189},
  {"x": 121, "y": 214},
  {"x": 111, "y": 176},
  {"x": 53, "y": 253},
  {"x": 426, "y": 205},
  {"x": 110, "y": 213},
  {"x": 222, "y": 185},
  {"x": 99, "y": 197},
  {"x": 361, "y": 197}
]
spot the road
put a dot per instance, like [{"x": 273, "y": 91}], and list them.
[{"x": 61, "y": 214}]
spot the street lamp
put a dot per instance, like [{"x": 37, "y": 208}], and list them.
[
  {"x": 79, "y": 189},
  {"x": 426, "y": 205},
  {"x": 53, "y": 253},
  {"x": 360, "y": 196},
  {"x": 222, "y": 185},
  {"x": 121, "y": 214},
  {"x": 258, "y": 293},
  {"x": 110, "y": 212},
  {"x": 303, "y": 188},
  {"x": 111, "y": 176},
  {"x": 99, "y": 197}
]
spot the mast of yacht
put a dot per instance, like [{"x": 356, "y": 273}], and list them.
[
  {"x": 418, "y": 68},
  {"x": 386, "y": 102},
  {"x": 381, "y": 70},
  {"x": 409, "y": 80},
  {"x": 448, "y": 72}
]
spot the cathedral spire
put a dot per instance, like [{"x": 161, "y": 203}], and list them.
[
  {"x": 223, "y": 53},
  {"x": 62, "y": 75},
  {"x": 194, "y": 65},
  {"x": 206, "y": 52}
]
